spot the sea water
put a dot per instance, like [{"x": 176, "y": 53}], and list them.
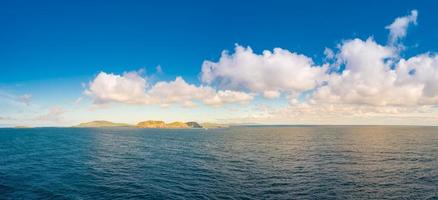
[{"x": 255, "y": 162}]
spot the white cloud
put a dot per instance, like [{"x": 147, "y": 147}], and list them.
[
  {"x": 78, "y": 101},
  {"x": 369, "y": 77},
  {"x": 322, "y": 113},
  {"x": 25, "y": 98},
  {"x": 158, "y": 69},
  {"x": 398, "y": 28},
  {"x": 128, "y": 88},
  {"x": 179, "y": 91},
  {"x": 268, "y": 73},
  {"x": 53, "y": 115},
  {"x": 372, "y": 80},
  {"x": 132, "y": 88},
  {"x": 271, "y": 94},
  {"x": 2, "y": 118},
  {"x": 329, "y": 54},
  {"x": 421, "y": 71}
]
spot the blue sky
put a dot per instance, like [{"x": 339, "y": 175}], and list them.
[{"x": 53, "y": 50}]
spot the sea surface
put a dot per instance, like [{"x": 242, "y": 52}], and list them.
[{"x": 256, "y": 162}]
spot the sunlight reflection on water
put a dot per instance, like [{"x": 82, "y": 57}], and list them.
[{"x": 277, "y": 162}]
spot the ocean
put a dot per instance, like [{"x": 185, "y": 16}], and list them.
[{"x": 249, "y": 162}]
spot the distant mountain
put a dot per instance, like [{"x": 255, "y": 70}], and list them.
[
  {"x": 102, "y": 124},
  {"x": 151, "y": 124},
  {"x": 214, "y": 125},
  {"x": 162, "y": 124},
  {"x": 177, "y": 125}
]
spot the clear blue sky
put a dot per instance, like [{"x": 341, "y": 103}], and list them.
[
  {"x": 51, "y": 39},
  {"x": 48, "y": 48}
]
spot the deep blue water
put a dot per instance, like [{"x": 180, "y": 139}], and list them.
[{"x": 307, "y": 162}]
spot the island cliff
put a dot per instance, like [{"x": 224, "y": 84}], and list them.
[
  {"x": 194, "y": 125},
  {"x": 151, "y": 124}
]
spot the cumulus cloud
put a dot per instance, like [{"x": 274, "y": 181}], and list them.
[
  {"x": 329, "y": 54},
  {"x": 398, "y": 28},
  {"x": 377, "y": 81},
  {"x": 367, "y": 77},
  {"x": 358, "y": 78},
  {"x": 179, "y": 91},
  {"x": 372, "y": 76},
  {"x": 421, "y": 71},
  {"x": 129, "y": 88},
  {"x": 132, "y": 88},
  {"x": 271, "y": 94},
  {"x": 268, "y": 73}
]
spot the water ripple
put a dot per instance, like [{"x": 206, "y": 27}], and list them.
[{"x": 332, "y": 162}]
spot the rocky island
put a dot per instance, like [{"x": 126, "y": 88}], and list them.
[{"x": 151, "y": 124}]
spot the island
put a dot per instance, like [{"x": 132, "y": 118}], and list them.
[
  {"x": 151, "y": 124},
  {"x": 214, "y": 125},
  {"x": 102, "y": 124},
  {"x": 194, "y": 125}
]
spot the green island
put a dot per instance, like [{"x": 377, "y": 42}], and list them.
[
  {"x": 102, "y": 124},
  {"x": 151, "y": 124}
]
